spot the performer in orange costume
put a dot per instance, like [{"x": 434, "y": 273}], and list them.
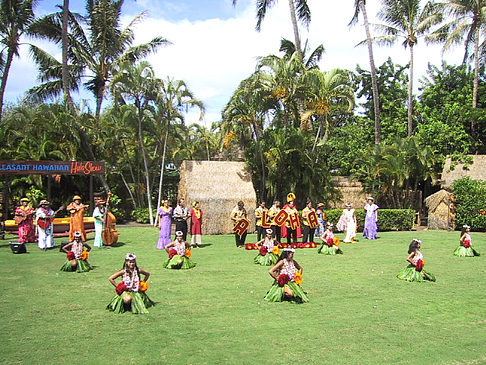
[{"x": 76, "y": 209}]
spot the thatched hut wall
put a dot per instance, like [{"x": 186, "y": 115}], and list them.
[
  {"x": 440, "y": 210},
  {"x": 476, "y": 170},
  {"x": 351, "y": 191},
  {"x": 218, "y": 186}
]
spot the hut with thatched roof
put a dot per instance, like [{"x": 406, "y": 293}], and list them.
[
  {"x": 453, "y": 171},
  {"x": 218, "y": 186},
  {"x": 441, "y": 210},
  {"x": 351, "y": 192}
]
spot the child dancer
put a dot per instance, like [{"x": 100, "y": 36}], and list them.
[
  {"x": 329, "y": 242},
  {"x": 131, "y": 294},
  {"x": 415, "y": 271},
  {"x": 77, "y": 257},
  {"x": 268, "y": 251},
  {"x": 179, "y": 252},
  {"x": 288, "y": 276},
  {"x": 465, "y": 249}
]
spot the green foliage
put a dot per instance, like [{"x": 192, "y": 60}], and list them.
[
  {"x": 141, "y": 215},
  {"x": 470, "y": 197},
  {"x": 388, "y": 219}
]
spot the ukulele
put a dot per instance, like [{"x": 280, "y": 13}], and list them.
[{"x": 44, "y": 223}]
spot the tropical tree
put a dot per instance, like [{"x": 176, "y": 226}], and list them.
[
  {"x": 16, "y": 16},
  {"x": 360, "y": 7},
  {"x": 64, "y": 46},
  {"x": 298, "y": 10},
  {"x": 405, "y": 19},
  {"x": 311, "y": 61}
]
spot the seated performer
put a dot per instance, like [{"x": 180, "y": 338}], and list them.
[
  {"x": 130, "y": 293},
  {"x": 415, "y": 270},
  {"x": 288, "y": 276},
  {"x": 465, "y": 248},
  {"x": 179, "y": 253},
  {"x": 268, "y": 254},
  {"x": 329, "y": 242},
  {"x": 25, "y": 221},
  {"x": 77, "y": 257}
]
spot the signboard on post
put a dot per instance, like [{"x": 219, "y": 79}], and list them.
[{"x": 22, "y": 167}]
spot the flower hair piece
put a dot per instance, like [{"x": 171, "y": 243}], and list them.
[
  {"x": 348, "y": 205},
  {"x": 269, "y": 231},
  {"x": 288, "y": 249},
  {"x": 466, "y": 226},
  {"x": 370, "y": 198},
  {"x": 179, "y": 234},
  {"x": 417, "y": 240},
  {"x": 329, "y": 224},
  {"x": 130, "y": 256},
  {"x": 77, "y": 234}
]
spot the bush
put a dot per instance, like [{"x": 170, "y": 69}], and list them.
[
  {"x": 388, "y": 219},
  {"x": 470, "y": 198},
  {"x": 141, "y": 215}
]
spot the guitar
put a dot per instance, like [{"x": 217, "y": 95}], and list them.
[
  {"x": 44, "y": 223},
  {"x": 20, "y": 218}
]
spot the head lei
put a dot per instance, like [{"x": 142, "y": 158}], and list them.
[
  {"x": 77, "y": 234},
  {"x": 179, "y": 234},
  {"x": 290, "y": 197},
  {"x": 288, "y": 249},
  {"x": 466, "y": 226},
  {"x": 348, "y": 205},
  {"x": 44, "y": 202},
  {"x": 130, "y": 256},
  {"x": 269, "y": 231},
  {"x": 416, "y": 240},
  {"x": 329, "y": 224},
  {"x": 370, "y": 198}
]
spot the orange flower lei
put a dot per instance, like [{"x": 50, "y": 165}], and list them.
[
  {"x": 143, "y": 286},
  {"x": 197, "y": 213},
  {"x": 84, "y": 255},
  {"x": 297, "y": 278},
  {"x": 336, "y": 241},
  {"x": 187, "y": 253},
  {"x": 275, "y": 250}
]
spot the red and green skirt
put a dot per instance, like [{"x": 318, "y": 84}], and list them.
[
  {"x": 139, "y": 304},
  {"x": 269, "y": 259},
  {"x": 465, "y": 251},
  {"x": 410, "y": 274},
  {"x": 82, "y": 266},
  {"x": 174, "y": 263},
  {"x": 277, "y": 293},
  {"x": 329, "y": 250}
]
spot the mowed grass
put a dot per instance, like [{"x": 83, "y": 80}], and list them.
[{"x": 359, "y": 313}]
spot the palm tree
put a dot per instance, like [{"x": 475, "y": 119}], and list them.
[
  {"x": 406, "y": 20},
  {"x": 298, "y": 9},
  {"x": 288, "y": 47},
  {"x": 65, "y": 70},
  {"x": 360, "y": 6},
  {"x": 16, "y": 16},
  {"x": 467, "y": 26},
  {"x": 105, "y": 48}
]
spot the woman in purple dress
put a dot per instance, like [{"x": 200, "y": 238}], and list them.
[
  {"x": 370, "y": 227},
  {"x": 165, "y": 214}
]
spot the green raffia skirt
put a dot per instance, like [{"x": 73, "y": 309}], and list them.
[
  {"x": 82, "y": 266},
  {"x": 269, "y": 259},
  {"x": 173, "y": 263},
  {"x": 326, "y": 250},
  {"x": 410, "y": 274},
  {"x": 277, "y": 293},
  {"x": 140, "y": 303},
  {"x": 465, "y": 252}
]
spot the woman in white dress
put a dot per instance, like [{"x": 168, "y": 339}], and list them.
[{"x": 350, "y": 223}]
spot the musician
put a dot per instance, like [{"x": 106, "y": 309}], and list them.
[
  {"x": 99, "y": 217},
  {"x": 46, "y": 235},
  {"x": 259, "y": 220},
  {"x": 25, "y": 221},
  {"x": 76, "y": 209},
  {"x": 180, "y": 215}
]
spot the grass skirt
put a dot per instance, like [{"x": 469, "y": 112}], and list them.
[
  {"x": 268, "y": 260},
  {"x": 465, "y": 252},
  {"x": 326, "y": 250},
  {"x": 82, "y": 266},
  {"x": 277, "y": 293},
  {"x": 173, "y": 263},
  {"x": 410, "y": 274},
  {"x": 140, "y": 303}
]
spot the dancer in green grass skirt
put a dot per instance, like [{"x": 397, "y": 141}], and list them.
[
  {"x": 415, "y": 270},
  {"x": 288, "y": 276},
  {"x": 330, "y": 244},
  {"x": 465, "y": 249},
  {"x": 130, "y": 292},
  {"x": 268, "y": 250},
  {"x": 77, "y": 257},
  {"x": 179, "y": 254}
]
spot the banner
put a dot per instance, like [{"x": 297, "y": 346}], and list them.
[
  {"x": 265, "y": 222},
  {"x": 294, "y": 221},
  {"x": 241, "y": 226},
  {"x": 23, "y": 167},
  {"x": 312, "y": 219},
  {"x": 281, "y": 217}
]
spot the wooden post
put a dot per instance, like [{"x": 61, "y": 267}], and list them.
[
  {"x": 91, "y": 198},
  {"x": 49, "y": 180}
]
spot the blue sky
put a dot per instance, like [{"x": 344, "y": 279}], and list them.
[{"x": 215, "y": 45}]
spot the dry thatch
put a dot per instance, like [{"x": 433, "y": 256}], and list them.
[
  {"x": 440, "y": 214},
  {"x": 218, "y": 186},
  {"x": 476, "y": 170},
  {"x": 351, "y": 191}
]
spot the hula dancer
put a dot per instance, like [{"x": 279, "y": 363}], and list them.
[
  {"x": 130, "y": 293},
  {"x": 348, "y": 224},
  {"x": 268, "y": 254},
  {"x": 330, "y": 244},
  {"x": 165, "y": 214},
  {"x": 321, "y": 219},
  {"x": 77, "y": 257},
  {"x": 370, "y": 226},
  {"x": 465, "y": 249},
  {"x": 99, "y": 218},
  {"x": 179, "y": 252},
  {"x": 415, "y": 270},
  {"x": 25, "y": 221},
  {"x": 196, "y": 224},
  {"x": 288, "y": 276}
]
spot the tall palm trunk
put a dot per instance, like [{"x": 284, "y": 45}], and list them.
[
  {"x": 374, "y": 82},
  {"x": 298, "y": 46},
  {"x": 162, "y": 166},
  {"x": 476, "y": 79},
  {"x": 64, "y": 69},
  {"x": 8, "y": 64},
  {"x": 145, "y": 164},
  {"x": 410, "y": 93}
]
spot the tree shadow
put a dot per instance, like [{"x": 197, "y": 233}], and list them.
[
  {"x": 117, "y": 244},
  {"x": 205, "y": 245}
]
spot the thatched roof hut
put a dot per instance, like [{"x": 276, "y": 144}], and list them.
[
  {"x": 441, "y": 210},
  {"x": 351, "y": 191},
  {"x": 218, "y": 186},
  {"x": 476, "y": 170}
]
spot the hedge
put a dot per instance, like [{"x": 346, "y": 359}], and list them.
[
  {"x": 388, "y": 219},
  {"x": 470, "y": 200}
]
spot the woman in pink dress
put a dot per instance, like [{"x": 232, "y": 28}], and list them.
[
  {"x": 196, "y": 224},
  {"x": 165, "y": 222},
  {"x": 24, "y": 216}
]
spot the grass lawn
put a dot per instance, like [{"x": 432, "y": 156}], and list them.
[{"x": 358, "y": 313}]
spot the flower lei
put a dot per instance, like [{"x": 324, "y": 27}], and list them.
[
  {"x": 289, "y": 268},
  {"x": 77, "y": 249},
  {"x": 180, "y": 248},
  {"x": 268, "y": 243},
  {"x": 131, "y": 280},
  {"x": 466, "y": 243},
  {"x": 197, "y": 213}
]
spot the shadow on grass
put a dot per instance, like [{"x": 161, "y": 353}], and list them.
[
  {"x": 117, "y": 244},
  {"x": 204, "y": 245}
]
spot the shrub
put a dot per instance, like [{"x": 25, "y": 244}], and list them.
[
  {"x": 470, "y": 198},
  {"x": 141, "y": 215},
  {"x": 388, "y": 219}
]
